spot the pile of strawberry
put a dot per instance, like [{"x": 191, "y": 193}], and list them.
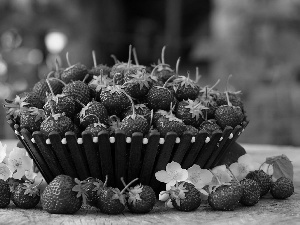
[{"x": 129, "y": 97}]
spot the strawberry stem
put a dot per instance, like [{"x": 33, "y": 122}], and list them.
[
  {"x": 114, "y": 58},
  {"x": 56, "y": 65},
  {"x": 128, "y": 185},
  {"x": 106, "y": 180},
  {"x": 129, "y": 57},
  {"x": 68, "y": 60},
  {"x": 226, "y": 90},
  {"x": 151, "y": 117},
  {"x": 177, "y": 67},
  {"x": 79, "y": 102},
  {"x": 94, "y": 58},
  {"x": 198, "y": 76},
  {"x": 54, "y": 78},
  {"x": 163, "y": 55},
  {"x": 215, "y": 176},
  {"x": 168, "y": 81},
  {"x": 123, "y": 182},
  {"x": 49, "y": 74},
  {"x": 135, "y": 56},
  {"x": 214, "y": 85},
  {"x": 98, "y": 121},
  {"x": 86, "y": 76},
  {"x": 232, "y": 174},
  {"x": 49, "y": 85},
  {"x": 132, "y": 104}
]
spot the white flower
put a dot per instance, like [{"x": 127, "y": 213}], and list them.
[
  {"x": 172, "y": 174},
  {"x": 2, "y": 152},
  {"x": 199, "y": 177},
  {"x": 19, "y": 162},
  {"x": 5, "y": 172},
  {"x": 221, "y": 175},
  {"x": 243, "y": 166}
]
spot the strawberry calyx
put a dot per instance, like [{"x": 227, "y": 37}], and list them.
[
  {"x": 126, "y": 187},
  {"x": 31, "y": 189},
  {"x": 177, "y": 192},
  {"x": 196, "y": 108},
  {"x": 15, "y": 106},
  {"x": 79, "y": 188},
  {"x": 184, "y": 81},
  {"x": 134, "y": 194},
  {"x": 118, "y": 195},
  {"x": 40, "y": 113}
]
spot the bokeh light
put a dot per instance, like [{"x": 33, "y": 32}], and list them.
[{"x": 55, "y": 41}]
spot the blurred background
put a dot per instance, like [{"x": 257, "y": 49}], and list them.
[{"x": 257, "y": 41}]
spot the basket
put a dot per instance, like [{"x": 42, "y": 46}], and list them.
[{"x": 121, "y": 156}]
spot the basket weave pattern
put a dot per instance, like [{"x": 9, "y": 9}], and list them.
[{"x": 120, "y": 156}]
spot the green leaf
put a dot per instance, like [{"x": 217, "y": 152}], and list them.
[{"x": 282, "y": 166}]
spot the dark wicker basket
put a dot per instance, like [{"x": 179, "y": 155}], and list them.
[{"x": 120, "y": 156}]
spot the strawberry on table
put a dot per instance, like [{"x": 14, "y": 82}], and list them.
[
  {"x": 263, "y": 179},
  {"x": 251, "y": 192},
  {"x": 5, "y": 194},
  {"x": 141, "y": 199},
  {"x": 112, "y": 200},
  {"x": 92, "y": 187},
  {"x": 59, "y": 196},
  {"x": 26, "y": 195},
  {"x": 184, "y": 196},
  {"x": 282, "y": 188}
]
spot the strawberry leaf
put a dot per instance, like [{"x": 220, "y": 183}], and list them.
[{"x": 282, "y": 166}]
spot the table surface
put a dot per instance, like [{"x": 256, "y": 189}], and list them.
[{"x": 267, "y": 211}]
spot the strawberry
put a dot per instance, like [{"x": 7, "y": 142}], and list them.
[
  {"x": 139, "y": 85},
  {"x": 157, "y": 115},
  {"x": 140, "y": 109},
  {"x": 169, "y": 123},
  {"x": 26, "y": 195},
  {"x": 114, "y": 99},
  {"x": 141, "y": 199},
  {"x": 184, "y": 196},
  {"x": 41, "y": 87},
  {"x": 4, "y": 194},
  {"x": 31, "y": 119},
  {"x": 74, "y": 72},
  {"x": 134, "y": 122},
  {"x": 112, "y": 200},
  {"x": 95, "y": 128},
  {"x": 234, "y": 98},
  {"x": 251, "y": 192},
  {"x": 162, "y": 71},
  {"x": 225, "y": 197},
  {"x": 282, "y": 188},
  {"x": 59, "y": 197},
  {"x": 193, "y": 130},
  {"x": 207, "y": 98},
  {"x": 13, "y": 183},
  {"x": 91, "y": 187},
  {"x": 160, "y": 97},
  {"x": 22, "y": 102},
  {"x": 190, "y": 112},
  {"x": 185, "y": 88},
  {"x": 57, "y": 122},
  {"x": 96, "y": 109},
  {"x": 209, "y": 126},
  {"x": 61, "y": 103},
  {"x": 229, "y": 115},
  {"x": 79, "y": 91},
  {"x": 97, "y": 84},
  {"x": 263, "y": 179}
]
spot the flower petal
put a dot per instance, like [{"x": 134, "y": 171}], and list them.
[
  {"x": 239, "y": 170},
  {"x": 163, "y": 196},
  {"x": 173, "y": 167},
  {"x": 27, "y": 163},
  {"x": 222, "y": 173},
  {"x": 2, "y": 151},
  {"x": 181, "y": 175},
  {"x": 169, "y": 204},
  {"x": 162, "y": 176},
  {"x": 205, "y": 177},
  {"x": 19, "y": 174},
  {"x": 245, "y": 159},
  {"x": 5, "y": 172}
]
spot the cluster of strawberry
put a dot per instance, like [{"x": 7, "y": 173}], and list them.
[
  {"x": 65, "y": 195},
  {"x": 24, "y": 194},
  {"x": 226, "y": 196},
  {"x": 126, "y": 96}
]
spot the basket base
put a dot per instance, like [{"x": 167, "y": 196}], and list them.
[{"x": 234, "y": 152}]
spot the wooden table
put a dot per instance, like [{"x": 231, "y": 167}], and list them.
[{"x": 267, "y": 211}]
